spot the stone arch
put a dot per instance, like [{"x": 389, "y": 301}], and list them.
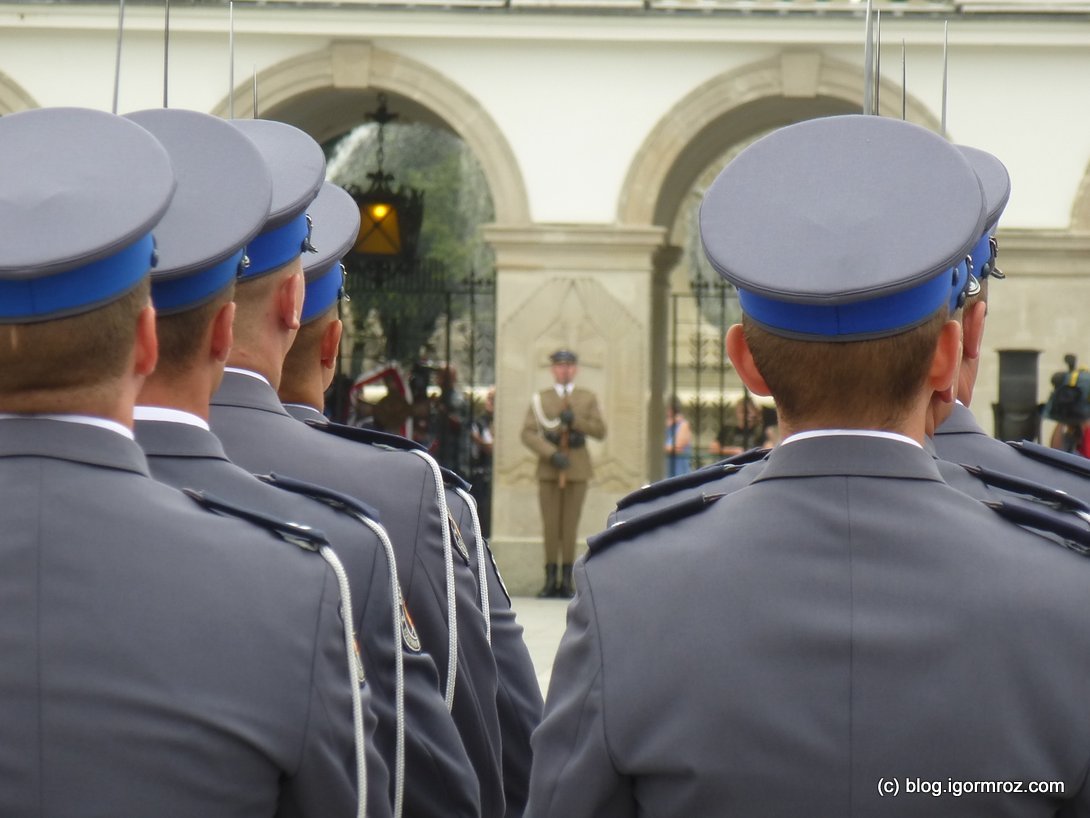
[
  {"x": 1080, "y": 210},
  {"x": 13, "y": 97},
  {"x": 324, "y": 92},
  {"x": 726, "y": 109}
]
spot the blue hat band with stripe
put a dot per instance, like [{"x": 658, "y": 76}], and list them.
[
  {"x": 185, "y": 291},
  {"x": 875, "y": 317},
  {"x": 277, "y": 247},
  {"x": 29, "y": 299},
  {"x": 322, "y": 292}
]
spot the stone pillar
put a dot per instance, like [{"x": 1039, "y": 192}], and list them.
[{"x": 588, "y": 288}]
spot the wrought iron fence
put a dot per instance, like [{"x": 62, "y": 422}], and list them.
[
  {"x": 708, "y": 391},
  {"x": 419, "y": 356}
]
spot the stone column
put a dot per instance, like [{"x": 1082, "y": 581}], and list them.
[{"x": 588, "y": 288}]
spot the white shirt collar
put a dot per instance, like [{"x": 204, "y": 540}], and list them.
[
  {"x": 165, "y": 415},
  {"x": 850, "y": 433},
  {"x": 563, "y": 389},
  {"x": 86, "y": 420},
  {"x": 249, "y": 372}
]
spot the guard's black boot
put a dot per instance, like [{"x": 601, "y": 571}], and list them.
[
  {"x": 549, "y": 589},
  {"x": 567, "y": 587}
]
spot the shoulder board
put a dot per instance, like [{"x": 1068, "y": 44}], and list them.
[
  {"x": 372, "y": 437},
  {"x": 1052, "y": 457},
  {"x": 1071, "y": 535},
  {"x": 451, "y": 479},
  {"x": 1018, "y": 485},
  {"x": 307, "y": 538},
  {"x": 341, "y": 502},
  {"x": 741, "y": 459},
  {"x": 627, "y": 529},
  {"x": 672, "y": 485}
]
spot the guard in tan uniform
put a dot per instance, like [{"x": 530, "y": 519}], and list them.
[{"x": 556, "y": 428}]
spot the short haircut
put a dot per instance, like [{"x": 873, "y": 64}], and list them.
[
  {"x": 873, "y": 382},
  {"x": 180, "y": 333},
  {"x": 251, "y": 296},
  {"x": 79, "y": 353},
  {"x": 302, "y": 358}
]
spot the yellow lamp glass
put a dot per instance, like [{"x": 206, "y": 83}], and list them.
[{"x": 380, "y": 234}]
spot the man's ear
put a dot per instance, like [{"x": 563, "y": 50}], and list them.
[
  {"x": 740, "y": 356},
  {"x": 222, "y": 336},
  {"x": 330, "y": 345},
  {"x": 942, "y": 378},
  {"x": 973, "y": 329},
  {"x": 146, "y": 349},
  {"x": 290, "y": 294}
]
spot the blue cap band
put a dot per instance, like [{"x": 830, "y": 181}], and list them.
[
  {"x": 878, "y": 316},
  {"x": 77, "y": 290},
  {"x": 322, "y": 292},
  {"x": 277, "y": 247},
  {"x": 185, "y": 291}
]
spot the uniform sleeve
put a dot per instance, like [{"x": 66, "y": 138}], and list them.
[
  {"x": 439, "y": 779},
  {"x": 588, "y": 419},
  {"x": 573, "y": 773},
  {"x": 532, "y": 438},
  {"x": 324, "y": 783},
  {"x": 519, "y": 695}
]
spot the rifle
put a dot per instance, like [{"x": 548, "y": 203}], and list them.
[{"x": 565, "y": 444}]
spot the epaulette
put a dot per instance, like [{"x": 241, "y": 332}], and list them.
[
  {"x": 1069, "y": 534},
  {"x": 334, "y": 499},
  {"x": 1053, "y": 457},
  {"x": 626, "y": 529},
  {"x": 672, "y": 485},
  {"x": 303, "y": 536},
  {"x": 372, "y": 437},
  {"x": 453, "y": 480},
  {"x": 742, "y": 458},
  {"x": 1055, "y": 498}
]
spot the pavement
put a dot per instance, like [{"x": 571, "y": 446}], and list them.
[{"x": 543, "y": 621}]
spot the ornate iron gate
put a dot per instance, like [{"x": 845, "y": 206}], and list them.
[
  {"x": 700, "y": 374},
  {"x": 418, "y": 357}
]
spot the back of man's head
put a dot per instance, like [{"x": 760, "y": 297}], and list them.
[
  {"x": 846, "y": 239},
  {"x": 74, "y": 257}
]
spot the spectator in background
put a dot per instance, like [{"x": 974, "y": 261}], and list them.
[
  {"x": 744, "y": 432},
  {"x": 678, "y": 447},
  {"x": 480, "y": 461}
]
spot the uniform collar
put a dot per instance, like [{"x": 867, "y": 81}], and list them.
[
  {"x": 813, "y": 433},
  {"x": 850, "y": 455},
  {"x": 86, "y": 420},
  {"x": 167, "y": 415},
  {"x": 563, "y": 390},
  {"x": 249, "y": 372}
]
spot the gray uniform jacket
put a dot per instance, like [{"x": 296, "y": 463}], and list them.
[
  {"x": 813, "y": 640},
  {"x": 519, "y": 701},
  {"x": 158, "y": 659},
  {"x": 259, "y": 435},
  {"x": 438, "y": 775},
  {"x": 961, "y": 440}
]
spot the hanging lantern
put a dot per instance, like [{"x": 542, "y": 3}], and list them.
[{"x": 390, "y": 219}]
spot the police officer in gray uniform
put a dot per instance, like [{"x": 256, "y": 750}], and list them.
[
  {"x": 959, "y": 437},
  {"x": 308, "y": 371},
  {"x": 259, "y": 435},
  {"x": 217, "y": 208},
  {"x": 990, "y": 471},
  {"x": 848, "y": 631},
  {"x": 157, "y": 658}
]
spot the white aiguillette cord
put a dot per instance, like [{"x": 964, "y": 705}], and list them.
[{"x": 448, "y": 560}]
